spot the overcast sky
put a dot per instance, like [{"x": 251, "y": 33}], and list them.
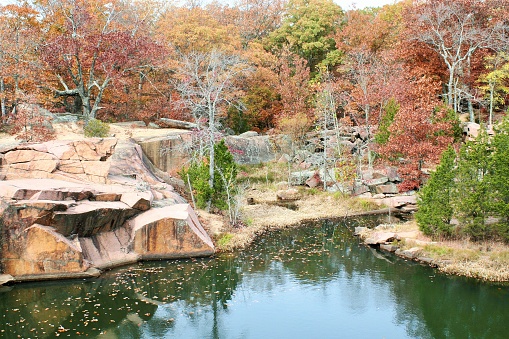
[{"x": 345, "y": 4}]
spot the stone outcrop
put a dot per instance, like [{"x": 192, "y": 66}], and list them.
[
  {"x": 380, "y": 185},
  {"x": 387, "y": 238},
  {"x": 177, "y": 234},
  {"x": 378, "y": 238},
  {"x": 71, "y": 160},
  {"x": 167, "y": 153},
  {"x": 43, "y": 250},
  {"x": 179, "y": 124},
  {"x": 53, "y": 228},
  {"x": 250, "y": 148},
  {"x": 290, "y": 194}
]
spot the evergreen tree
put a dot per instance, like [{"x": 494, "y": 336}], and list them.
[
  {"x": 198, "y": 176},
  {"x": 224, "y": 183},
  {"x": 499, "y": 176},
  {"x": 435, "y": 210},
  {"x": 472, "y": 201},
  {"x": 225, "y": 176}
]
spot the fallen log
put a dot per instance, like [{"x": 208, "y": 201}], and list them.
[{"x": 171, "y": 123}]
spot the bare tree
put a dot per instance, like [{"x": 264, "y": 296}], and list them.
[
  {"x": 325, "y": 108},
  {"x": 456, "y": 30},
  {"x": 208, "y": 86}
]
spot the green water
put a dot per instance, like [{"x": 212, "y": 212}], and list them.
[{"x": 311, "y": 282}]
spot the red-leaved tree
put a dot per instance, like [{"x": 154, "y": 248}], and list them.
[{"x": 421, "y": 130}]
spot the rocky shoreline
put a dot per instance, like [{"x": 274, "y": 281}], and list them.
[{"x": 483, "y": 261}]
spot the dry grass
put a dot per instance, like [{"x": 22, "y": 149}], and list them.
[
  {"x": 487, "y": 260},
  {"x": 267, "y": 213}
]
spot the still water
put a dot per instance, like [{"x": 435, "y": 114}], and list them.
[{"x": 311, "y": 282}]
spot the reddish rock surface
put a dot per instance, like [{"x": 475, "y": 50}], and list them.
[
  {"x": 169, "y": 232},
  {"x": 100, "y": 216},
  {"x": 79, "y": 160}
]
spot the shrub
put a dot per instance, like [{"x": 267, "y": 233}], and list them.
[
  {"x": 198, "y": 172},
  {"x": 295, "y": 127},
  {"x": 224, "y": 240},
  {"x": 223, "y": 190},
  {"x": 96, "y": 128},
  {"x": 225, "y": 176},
  {"x": 31, "y": 124}
]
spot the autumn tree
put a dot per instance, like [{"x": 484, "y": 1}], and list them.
[
  {"x": 256, "y": 19},
  {"x": 192, "y": 28},
  {"x": 31, "y": 122},
  {"x": 370, "y": 68},
  {"x": 370, "y": 29},
  {"x": 261, "y": 104},
  {"x": 327, "y": 123},
  {"x": 494, "y": 82},
  {"x": 296, "y": 117},
  {"x": 455, "y": 30},
  {"x": 421, "y": 130},
  {"x": 89, "y": 46},
  {"x": 20, "y": 32}
]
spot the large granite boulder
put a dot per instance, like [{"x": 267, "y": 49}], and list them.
[
  {"x": 250, "y": 149},
  {"x": 44, "y": 251},
  {"x": 169, "y": 232},
  {"x": 167, "y": 153},
  {"x": 54, "y": 229}
]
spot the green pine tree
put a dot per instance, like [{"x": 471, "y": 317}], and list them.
[
  {"x": 499, "y": 177},
  {"x": 390, "y": 111},
  {"x": 198, "y": 175},
  {"x": 225, "y": 176},
  {"x": 225, "y": 179},
  {"x": 472, "y": 200},
  {"x": 435, "y": 210}
]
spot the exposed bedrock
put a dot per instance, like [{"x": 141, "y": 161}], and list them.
[{"x": 117, "y": 213}]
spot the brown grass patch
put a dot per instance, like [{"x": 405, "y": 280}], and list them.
[{"x": 488, "y": 260}]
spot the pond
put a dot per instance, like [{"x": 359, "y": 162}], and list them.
[{"x": 310, "y": 282}]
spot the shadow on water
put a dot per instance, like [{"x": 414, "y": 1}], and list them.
[{"x": 313, "y": 281}]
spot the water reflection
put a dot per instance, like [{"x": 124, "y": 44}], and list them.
[{"x": 310, "y": 282}]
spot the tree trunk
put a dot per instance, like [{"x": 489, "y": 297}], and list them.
[
  {"x": 86, "y": 106},
  {"x": 492, "y": 89},
  {"x": 2, "y": 99},
  {"x": 212, "y": 162},
  {"x": 470, "y": 110},
  {"x": 450, "y": 90}
]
